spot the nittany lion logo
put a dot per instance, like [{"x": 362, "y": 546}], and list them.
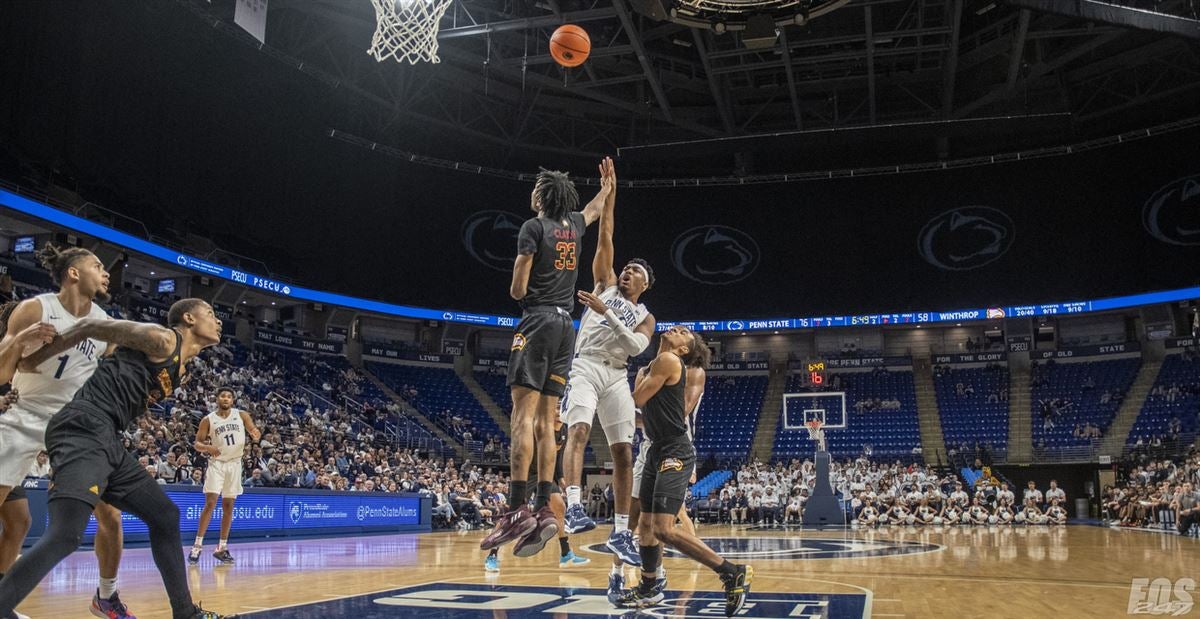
[
  {"x": 491, "y": 238},
  {"x": 966, "y": 238},
  {"x": 1172, "y": 214},
  {"x": 715, "y": 254},
  {"x": 296, "y": 512}
]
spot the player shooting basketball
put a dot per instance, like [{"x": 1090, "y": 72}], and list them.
[{"x": 614, "y": 327}]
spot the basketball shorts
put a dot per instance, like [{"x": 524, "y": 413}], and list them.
[
  {"x": 665, "y": 476},
  {"x": 89, "y": 462},
  {"x": 22, "y": 436},
  {"x": 541, "y": 351},
  {"x": 16, "y": 494},
  {"x": 639, "y": 465},
  {"x": 224, "y": 478},
  {"x": 602, "y": 392}
]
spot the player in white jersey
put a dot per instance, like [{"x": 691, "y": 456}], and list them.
[
  {"x": 222, "y": 437},
  {"x": 81, "y": 278},
  {"x": 614, "y": 327}
]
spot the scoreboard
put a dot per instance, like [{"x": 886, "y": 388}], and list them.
[{"x": 815, "y": 373}]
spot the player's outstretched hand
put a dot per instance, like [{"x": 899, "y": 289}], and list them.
[
  {"x": 608, "y": 175},
  {"x": 592, "y": 301}
]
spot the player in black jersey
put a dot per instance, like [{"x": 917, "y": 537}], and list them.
[
  {"x": 659, "y": 392},
  {"x": 543, "y": 280},
  {"x": 89, "y": 462}
]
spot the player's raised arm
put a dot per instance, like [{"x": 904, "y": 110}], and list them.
[
  {"x": 156, "y": 341},
  {"x": 602, "y": 265},
  {"x": 592, "y": 211},
  {"x": 663, "y": 368}
]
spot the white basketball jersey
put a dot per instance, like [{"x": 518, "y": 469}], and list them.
[
  {"x": 596, "y": 337},
  {"x": 228, "y": 434},
  {"x": 57, "y": 379}
]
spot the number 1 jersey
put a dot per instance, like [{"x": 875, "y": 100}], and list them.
[{"x": 45, "y": 393}]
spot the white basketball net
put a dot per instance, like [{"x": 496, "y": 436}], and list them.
[
  {"x": 816, "y": 434},
  {"x": 407, "y": 29}
]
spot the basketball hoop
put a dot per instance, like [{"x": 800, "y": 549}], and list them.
[
  {"x": 407, "y": 29},
  {"x": 815, "y": 433}
]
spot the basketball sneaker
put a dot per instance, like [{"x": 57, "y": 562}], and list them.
[
  {"x": 194, "y": 555},
  {"x": 640, "y": 598},
  {"x": 545, "y": 529},
  {"x": 616, "y": 587},
  {"x": 737, "y": 587},
  {"x": 223, "y": 556},
  {"x": 111, "y": 608},
  {"x": 571, "y": 559},
  {"x": 200, "y": 613},
  {"x": 516, "y": 523},
  {"x": 577, "y": 521},
  {"x": 622, "y": 545},
  {"x": 491, "y": 564}
]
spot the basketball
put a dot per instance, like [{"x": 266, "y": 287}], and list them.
[{"x": 570, "y": 45}]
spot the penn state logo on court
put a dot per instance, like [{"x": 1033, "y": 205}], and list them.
[
  {"x": 966, "y": 238},
  {"x": 788, "y": 548},
  {"x": 491, "y": 238},
  {"x": 1172, "y": 214},
  {"x": 715, "y": 254},
  {"x": 295, "y": 512}
]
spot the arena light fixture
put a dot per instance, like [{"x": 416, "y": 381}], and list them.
[{"x": 722, "y": 16}]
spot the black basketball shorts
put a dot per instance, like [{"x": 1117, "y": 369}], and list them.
[
  {"x": 542, "y": 349},
  {"x": 665, "y": 478},
  {"x": 16, "y": 493},
  {"x": 89, "y": 462}
]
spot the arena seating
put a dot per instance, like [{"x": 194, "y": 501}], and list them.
[
  {"x": 714, "y": 479},
  {"x": 1068, "y": 383},
  {"x": 979, "y": 414},
  {"x": 496, "y": 386},
  {"x": 728, "y": 415},
  {"x": 1175, "y": 395},
  {"x": 890, "y": 433},
  {"x": 438, "y": 390}
]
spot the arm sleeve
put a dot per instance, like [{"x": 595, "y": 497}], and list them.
[
  {"x": 529, "y": 238},
  {"x": 630, "y": 342}
]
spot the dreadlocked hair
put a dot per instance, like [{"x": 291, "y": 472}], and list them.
[
  {"x": 57, "y": 260},
  {"x": 6, "y": 311},
  {"x": 555, "y": 194},
  {"x": 698, "y": 355}
]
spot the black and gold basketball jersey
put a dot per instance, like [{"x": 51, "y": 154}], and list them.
[{"x": 125, "y": 383}]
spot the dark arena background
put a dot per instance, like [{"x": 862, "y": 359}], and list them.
[{"x": 962, "y": 234}]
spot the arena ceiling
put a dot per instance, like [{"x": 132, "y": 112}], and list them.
[{"x": 868, "y": 82}]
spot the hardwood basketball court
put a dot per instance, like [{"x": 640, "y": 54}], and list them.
[{"x": 1071, "y": 571}]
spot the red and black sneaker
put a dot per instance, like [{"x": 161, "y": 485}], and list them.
[
  {"x": 514, "y": 524},
  {"x": 545, "y": 530}
]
